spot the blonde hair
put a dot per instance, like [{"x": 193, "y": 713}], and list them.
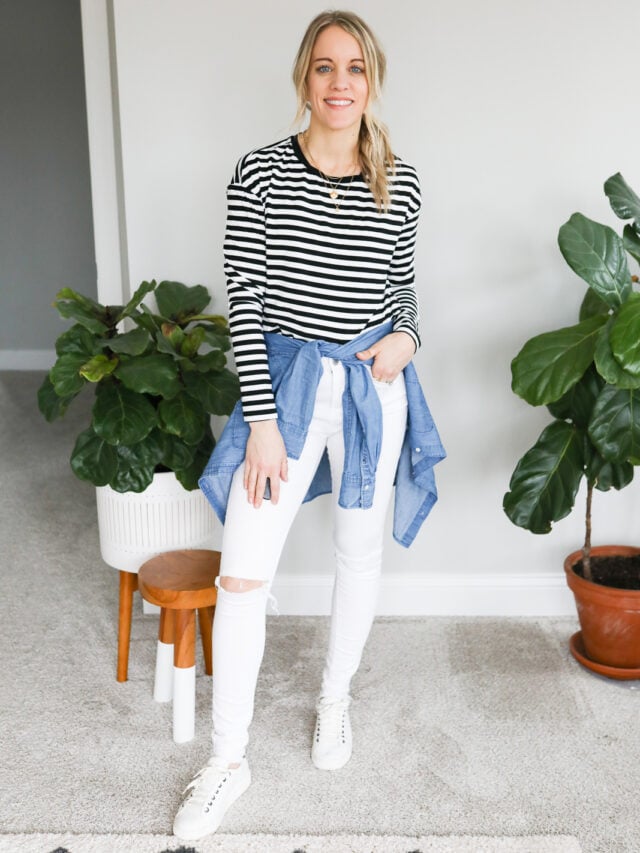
[{"x": 375, "y": 151}]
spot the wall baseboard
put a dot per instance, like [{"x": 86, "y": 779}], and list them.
[
  {"x": 437, "y": 595},
  {"x": 27, "y": 359}
]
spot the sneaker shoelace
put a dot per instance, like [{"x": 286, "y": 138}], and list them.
[
  {"x": 207, "y": 783},
  {"x": 331, "y": 721}
]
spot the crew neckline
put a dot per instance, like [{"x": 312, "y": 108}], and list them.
[{"x": 300, "y": 155}]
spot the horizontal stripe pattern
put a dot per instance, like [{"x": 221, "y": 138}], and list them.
[{"x": 297, "y": 266}]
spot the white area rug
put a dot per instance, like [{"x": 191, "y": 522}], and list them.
[{"x": 68, "y": 843}]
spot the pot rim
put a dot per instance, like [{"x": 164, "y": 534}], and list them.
[{"x": 575, "y": 580}]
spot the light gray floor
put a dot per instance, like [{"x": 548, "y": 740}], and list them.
[{"x": 462, "y": 725}]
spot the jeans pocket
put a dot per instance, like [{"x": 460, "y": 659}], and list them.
[{"x": 392, "y": 395}]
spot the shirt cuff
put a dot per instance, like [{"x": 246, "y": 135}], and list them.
[{"x": 266, "y": 416}]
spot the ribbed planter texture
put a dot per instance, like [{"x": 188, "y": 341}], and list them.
[
  {"x": 609, "y": 618},
  {"x": 165, "y": 517}
]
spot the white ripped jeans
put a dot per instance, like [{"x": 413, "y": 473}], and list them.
[{"x": 252, "y": 543}]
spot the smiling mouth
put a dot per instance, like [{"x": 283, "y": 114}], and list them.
[{"x": 338, "y": 102}]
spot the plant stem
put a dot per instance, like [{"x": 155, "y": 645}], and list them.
[{"x": 586, "y": 551}]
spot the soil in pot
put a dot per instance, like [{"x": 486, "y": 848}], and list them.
[{"x": 617, "y": 572}]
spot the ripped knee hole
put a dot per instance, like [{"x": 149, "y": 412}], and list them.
[{"x": 239, "y": 584}]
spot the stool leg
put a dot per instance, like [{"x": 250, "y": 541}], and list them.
[
  {"x": 163, "y": 683},
  {"x": 184, "y": 676},
  {"x": 205, "y": 618},
  {"x": 128, "y": 585}
]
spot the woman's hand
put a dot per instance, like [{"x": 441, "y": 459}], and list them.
[
  {"x": 266, "y": 456},
  {"x": 390, "y": 355}
]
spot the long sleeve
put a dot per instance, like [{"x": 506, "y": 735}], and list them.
[
  {"x": 245, "y": 269},
  {"x": 401, "y": 280}
]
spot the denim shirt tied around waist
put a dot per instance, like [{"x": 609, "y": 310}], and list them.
[{"x": 296, "y": 368}]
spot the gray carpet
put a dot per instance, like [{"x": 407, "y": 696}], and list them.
[
  {"x": 262, "y": 843},
  {"x": 462, "y": 726}
]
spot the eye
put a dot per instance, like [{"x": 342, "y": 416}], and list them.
[
  {"x": 323, "y": 69},
  {"x": 357, "y": 69}
]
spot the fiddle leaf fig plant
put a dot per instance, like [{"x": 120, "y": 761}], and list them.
[
  {"x": 587, "y": 375},
  {"x": 156, "y": 384}
]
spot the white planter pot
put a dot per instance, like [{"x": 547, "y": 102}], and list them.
[{"x": 165, "y": 517}]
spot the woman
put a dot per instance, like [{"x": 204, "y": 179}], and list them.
[{"x": 323, "y": 314}]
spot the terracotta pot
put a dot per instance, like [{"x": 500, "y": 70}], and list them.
[{"x": 609, "y": 618}]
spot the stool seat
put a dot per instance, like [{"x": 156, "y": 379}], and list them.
[
  {"x": 180, "y": 580},
  {"x": 181, "y": 583}
]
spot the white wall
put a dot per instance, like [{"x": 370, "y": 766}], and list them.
[{"x": 514, "y": 114}]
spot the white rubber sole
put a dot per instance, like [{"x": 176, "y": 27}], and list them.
[{"x": 202, "y": 832}]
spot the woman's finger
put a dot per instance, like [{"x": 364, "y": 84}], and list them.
[{"x": 260, "y": 484}]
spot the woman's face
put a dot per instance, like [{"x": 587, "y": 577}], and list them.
[{"x": 337, "y": 82}]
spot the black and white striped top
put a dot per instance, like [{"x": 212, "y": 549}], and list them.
[{"x": 297, "y": 266}]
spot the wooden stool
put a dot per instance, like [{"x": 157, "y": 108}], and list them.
[
  {"x": 181, "y": 582},
  {"x": 128, "y": 585}
]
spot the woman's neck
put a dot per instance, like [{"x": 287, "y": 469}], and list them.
[{"x": 333, "y": 152}]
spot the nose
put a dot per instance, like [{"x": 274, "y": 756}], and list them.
[{"x": 340, "y": 81}]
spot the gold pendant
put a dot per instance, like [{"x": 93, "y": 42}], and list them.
[{"x": 333, "y": 194}]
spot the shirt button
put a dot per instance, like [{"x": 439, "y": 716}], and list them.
[
  {"x": 418, "y": 449},
  {"x": 366, "y": 488}
]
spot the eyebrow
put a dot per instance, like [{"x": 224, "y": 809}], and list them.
[{"x": 328, "y": 59}]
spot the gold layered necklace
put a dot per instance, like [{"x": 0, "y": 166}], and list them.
[{"x": 332, "y": 186}]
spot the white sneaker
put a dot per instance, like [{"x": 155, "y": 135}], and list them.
[
  {"x": 332, "y": 740},
  {"x": 207, "y": 798}
]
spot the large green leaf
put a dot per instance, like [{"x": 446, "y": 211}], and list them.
[
  {"x": 610, "y": 475},
  {"x": 171, "y": 338},
  {"x": 592, "y": 305},
  {"x": 549, "y": 364},
  {"x": 577, "y": 404},
  {"x": 615, "y": 424},
  {"x": 65, "y": 374},
  {"x": 121, "y": 416},
  {"x": 136, "y": 466},
  {"x": 596, "y": 253},
  {"x": 85, "y": 311},
  {"x": 624, "y": 202},
  {"x": 624, "y": 336},
  {"x": 136, "y": 299},
  {"x": 631, "y": 242},
  {"x": 175, "y": 453},
  {"x": 607, "y": 366},
  {"x": 176, "y": 301},
  {"x": 155, "y": 374},
  {"x": 134, "y": 342},
  {"x": 217, "y": 337},
  {"x": 192, "y": 342},
  {"x": 190, "y": 475},
  {"x": 94, "y": 459},
  {"x": 183, "y": 416},
  {"x": 217, "y": 391},
  {"x": 52, "y": 405},
  {"x": 147, "y": 320},
  {"x": 212, "y": 361},
  {"x": 98, "y": 367},
  {"x": 545, "y": 482},
  {"x": 77, "y": 341},
  {"x": 68, "y": 295}
]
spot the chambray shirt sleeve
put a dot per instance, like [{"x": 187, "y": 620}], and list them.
[{"x": 245, "y": 270}]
